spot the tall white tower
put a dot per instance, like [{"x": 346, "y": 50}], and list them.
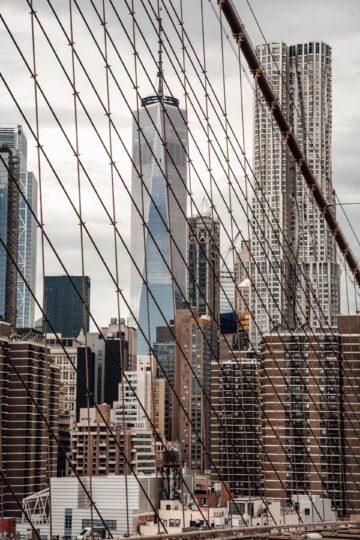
[{"x": 301, "y": 78}]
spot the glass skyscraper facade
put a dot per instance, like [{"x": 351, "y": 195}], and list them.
[
  {"x": 161, "y": 199},
  {"x": 17, "y": 229},
  {"x": 63, "y": 305},
  {"x": 26, "y": 251}
]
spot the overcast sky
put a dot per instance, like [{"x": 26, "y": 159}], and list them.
[{"x": 333, "y": 21}]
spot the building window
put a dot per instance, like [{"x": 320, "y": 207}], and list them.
[
  {"x": 110, "y": 523},
  {"x": 68, "y": 522}
]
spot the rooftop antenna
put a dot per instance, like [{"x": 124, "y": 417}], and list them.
[{"x": 160, "y": 63}]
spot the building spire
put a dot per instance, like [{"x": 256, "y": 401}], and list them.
[{"x": 160, "y": 62}]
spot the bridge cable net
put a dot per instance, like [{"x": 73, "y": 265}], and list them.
[{"x": 211, "y": 143}]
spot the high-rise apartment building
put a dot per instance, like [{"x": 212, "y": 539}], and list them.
[
  {"x": 28, "y": 454},
  {"x": 196, "y": 346},
  {"x": 293, "y": 248},
  {"x": 236, "y": 418},
  {"x": 159, "y": 142},
  {"x": 18, "y": 228},
  {"x": 204, "y": 265},
  {"x": 100, "y": 445},
  {"x": 301, "y": 396},
  {"x": 349, "y": 330},
  {"x": 63, "y": 305}
]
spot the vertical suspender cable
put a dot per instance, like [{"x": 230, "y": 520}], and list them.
[
  {"x": 233, "y": 239},
  {"x": 114, "y": 222},
  {"x": 39, "y": 171},
  {"x": 83, "y": 284}
]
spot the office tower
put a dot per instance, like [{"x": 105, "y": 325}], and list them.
[
  {"x": 161, "y": 197},
  {"x": 300, "y": 381},
  {"x": 236, "y": 418},
  {"x": 204, "y": 265},
  {"x": 9, "y": 225},
  {"x": 349, "y": 330},
  {"x": 164, "y": 350},
  {"x": 27, "y": 251},
  {"x": 63, "y": 306},
  {"x": 105, "y": 353},
  {"x": 18, "y": 226},
  {"x": 28, "y": 453},
  {"x": 301, "y": 78},
  {"x": 196, "y": 346}
]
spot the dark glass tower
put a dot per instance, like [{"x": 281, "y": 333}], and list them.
[{"x": 63, "y": 304}]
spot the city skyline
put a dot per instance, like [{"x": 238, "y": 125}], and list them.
[
  {"x": 199, "y": 169},
  {"x": 337, "y": 29}
]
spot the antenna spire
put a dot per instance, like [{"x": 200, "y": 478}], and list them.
[{"x": 160, "y": 62}]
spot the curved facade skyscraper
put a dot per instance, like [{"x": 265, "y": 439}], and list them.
[
  {"x": 289, "y": 273},
  {"x": 161, "y": 199}
]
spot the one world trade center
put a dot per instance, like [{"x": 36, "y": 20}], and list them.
[{"x": 157, "y": 278}]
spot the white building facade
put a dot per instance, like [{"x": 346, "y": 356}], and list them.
[{"x": 294, "y": 252}]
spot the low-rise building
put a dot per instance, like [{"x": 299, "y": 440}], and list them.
[
  {"x": 256, "y": 511},
  {"x": 71, "y": 509},
  {"x": 175, "y": 518}
]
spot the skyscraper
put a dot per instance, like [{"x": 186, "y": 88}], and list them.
[
  {"x": 161, "y": 197},
  {"x": 9, "y": 213},
  {"x": 26, "y": 251},
  {"x": 63, "y": 306},
  {"x": 18, "y": 226},
  {"x": 301, "y": 78},
  {"x": 204, "y": 265}
]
